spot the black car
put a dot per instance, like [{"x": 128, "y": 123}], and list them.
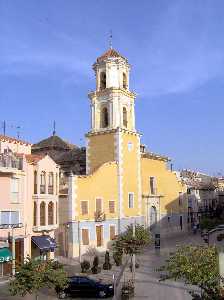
[{"x": 84, "y": 286}]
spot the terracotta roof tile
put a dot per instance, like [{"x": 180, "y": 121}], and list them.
[
  {"x": 11, "y": 139},
  {"x": 109, "y": 53},
  {"x": 33, "y": 158}
]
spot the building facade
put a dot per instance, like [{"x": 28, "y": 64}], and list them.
[
  {"x": 28, "y": 202},
  {"x": 123, "y": 182}
]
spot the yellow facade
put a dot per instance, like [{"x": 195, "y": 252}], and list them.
[
  {"x": 100, "y": 149},
  {"x": 101, "y": 184},
  {"x": 117, "y": 171}
]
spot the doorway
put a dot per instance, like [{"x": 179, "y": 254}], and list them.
[
  {"x": 181, "y": 222},
  {"x": 153, "y": 216},
  {"x": 99, "y": 235}
]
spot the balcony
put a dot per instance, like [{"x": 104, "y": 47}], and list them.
[
  {"x": 9, "y": 163},
  {"x": 99, "y": 216},
  {"x": 50, "y": 190},
  {"x": 45, "y": 228},
  {"x": 42, "y": 189}
]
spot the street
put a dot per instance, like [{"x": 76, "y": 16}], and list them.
[{"x": 148, "y": 285}]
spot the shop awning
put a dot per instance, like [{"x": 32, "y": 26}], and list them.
[
  {"x": 44, "y": 242},
  {"x": 5, "y": 255}
]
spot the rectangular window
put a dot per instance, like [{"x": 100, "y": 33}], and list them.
[
  {"x": 15, "y": 190},
  {"x": 130, "y": 200},
  {"x": 85, "y": 236},
  {"x": 112, "y": 232},
  {"x": 9, "y": 217},
  {"x": 152, "y": 183},
  {"x": 14, "y": 217},
  {"x": 84, "y": 207},
  {"x": 111, "y": 206},
  {"x": 98, "y": 205}
]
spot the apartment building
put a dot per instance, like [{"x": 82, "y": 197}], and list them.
[{"x": 28, "y": 203}]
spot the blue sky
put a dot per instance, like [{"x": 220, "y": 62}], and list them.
[{"x": 176, "y": 49}]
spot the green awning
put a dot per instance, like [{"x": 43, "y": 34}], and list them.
[{"x": 5, "y": 255}]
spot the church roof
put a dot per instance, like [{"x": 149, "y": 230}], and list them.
[
  {"x": 109, "y": 53},
  {"x": 53, "y": 142}
]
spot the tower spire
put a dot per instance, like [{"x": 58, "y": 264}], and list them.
[
  {"x": 110, "y": 39},
  {"x": 54, "y": 128}
]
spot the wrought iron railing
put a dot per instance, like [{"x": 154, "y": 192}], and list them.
[{"x": 99, "y": 216}]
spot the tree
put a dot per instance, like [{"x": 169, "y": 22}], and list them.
[
  {"x": 129, "y": 244},
  {"x": 196, "y": 265},
  {"x": 34, "y": 275}
]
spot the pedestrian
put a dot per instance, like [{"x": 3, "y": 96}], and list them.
[{"x": 195, "y": 228}]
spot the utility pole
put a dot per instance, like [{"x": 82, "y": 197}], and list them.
[
  {"x": 13, "y": 253},
  {"x": 133, "y": 257},
  {"x": 79, "y": 241}
]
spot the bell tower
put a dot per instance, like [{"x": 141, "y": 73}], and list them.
[
  {"x": 112, "y": 109},
  {"x": 113, "y": 136},
  {"x": 112, "y": 104}
]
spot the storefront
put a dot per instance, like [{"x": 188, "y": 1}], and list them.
[
  {"x": 5, "y": 261},
  {"x": 43, "y": 247}
]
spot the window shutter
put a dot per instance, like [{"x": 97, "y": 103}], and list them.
[
  {"x": 85, "y": 236},
  {"x": 112, "y": 232},
  {"x": 84, "y": 207},
  {"x": 111, "y": 207}
]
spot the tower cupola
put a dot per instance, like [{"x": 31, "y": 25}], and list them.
[{"x": 111, "y": 70}]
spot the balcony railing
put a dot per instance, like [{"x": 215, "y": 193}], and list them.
[
  {"x": 50, "y": 189},
  {"x": 9, "y": 161},
  {"x": 99, "y": 216},
  {"x": 42, "y": 189}
]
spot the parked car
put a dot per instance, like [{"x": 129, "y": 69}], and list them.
[{"x": 85, "y": 286}]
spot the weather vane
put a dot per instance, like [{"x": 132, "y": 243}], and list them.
[{"x": 110, "y": 39}]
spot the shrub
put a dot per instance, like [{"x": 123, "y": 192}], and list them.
[
  {"x": 95, "y": 268},
  {"x": 117, "y": 256},
  {"x": 85, "y": 265},
  {"x": 107, "y": 265}
]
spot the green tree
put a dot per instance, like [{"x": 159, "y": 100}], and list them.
[
  {"x": 34, "y": 275},
  {"x": 196, "y": 265},
  {"x": 129, "y": 244}
]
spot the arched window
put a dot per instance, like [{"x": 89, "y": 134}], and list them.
[
  {"x": 51, "y": 183},
  {"x": 43, "y": 182},
  {"x": 56, "y": 184},
  {"x": 51, "y": 213},
  {"x": 104, "y": 118},
  {"x": 125, "y": 86},
  {"x": 34, "y": 214},
  {"x": 35, "y": 182},
  {"x": 125, "y": 118},
  {"x": 103, "y": 80},
  {"x": 42, "y": 214},
  {"x": 56, "y": 213}
]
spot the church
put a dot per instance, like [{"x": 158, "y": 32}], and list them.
[{"x": 123, "y": 182}]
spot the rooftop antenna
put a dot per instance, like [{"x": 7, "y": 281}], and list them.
[
  {"x": 18, "y": 132},
  {"x": 110, "y": 39},
  {"x": 4, "y": 127},
  {"x": 54, "y": 128}
]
